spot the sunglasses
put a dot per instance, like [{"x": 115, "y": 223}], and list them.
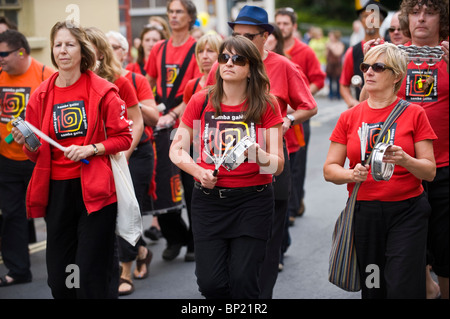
[
  {"x": 376, "y": 67},
  {"x": 4, "y": 54},
  {"x": 236, "y": 59},
  {"x": 392, "y": 30},
  {"x": 249, "y": 36}
]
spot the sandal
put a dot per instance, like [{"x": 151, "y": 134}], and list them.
[
  {"x": 140, "y": 262},
  {"x": 126, "y": 292},
  {"x": 5, "y": 283}
]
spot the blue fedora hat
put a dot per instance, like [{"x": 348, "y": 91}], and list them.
[{"x": 252, "y": 15}]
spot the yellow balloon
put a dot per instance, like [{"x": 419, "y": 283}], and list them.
[{"x": 203, "y": 17}]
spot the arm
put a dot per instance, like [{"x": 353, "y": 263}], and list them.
[
  {"x": 334, "y": 171},
  {"x": 179, "y": 155},
  {"x": 423, "y": 166},
  {"x": 149, "y": 112},
  {"x": 137, "y": 125},
  {"x": 272, "y": 160}
]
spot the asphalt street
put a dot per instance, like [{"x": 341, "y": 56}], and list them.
[{"x": 306, "y": 261}]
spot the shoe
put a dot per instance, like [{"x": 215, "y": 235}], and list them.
[
  {"x": 171, "y": 252},
  {"x": 153, "y": 233},
  {"x": 291, "y": 220},
  {"x": 126, "y": 292},
  {"x": 5, "y": 283},
  {"x": 190, "y": 256},
  {"x": 146, "y": 261},
  {"x": 301, "y": 210}
]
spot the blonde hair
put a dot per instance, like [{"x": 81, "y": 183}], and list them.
[
  {"x": 395, "y": 58},
  {"x": 109, "y": 68},
  {"x": 214, "y": 41}
]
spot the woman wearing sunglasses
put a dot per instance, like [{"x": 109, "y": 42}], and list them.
[
  {"x": 390, "y": 217},
  {"x": 231, "y": 210}
]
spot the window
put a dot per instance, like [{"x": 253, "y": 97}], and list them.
[{"x": 10, "y": 9}]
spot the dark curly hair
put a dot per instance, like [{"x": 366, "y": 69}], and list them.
[{"x": 440, "y": 6}]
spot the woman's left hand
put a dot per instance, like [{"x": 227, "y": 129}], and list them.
[
  {"x": 76, "y": 152},
  {"x": 394, "y": 155}
]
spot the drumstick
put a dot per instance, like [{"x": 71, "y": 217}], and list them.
[
  {"x": 50, "y": 140},
  {"x": 216, "y": 171}
]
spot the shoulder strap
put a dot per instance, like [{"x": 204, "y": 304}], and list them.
[
  {"x": 204, "y": 104},
  {"x": 133, "y": 77},
  {"x": 395, "y": 114},
  {"x": 358, "y": 57}
]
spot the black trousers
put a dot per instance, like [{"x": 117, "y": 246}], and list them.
[
  {"x": 14, "y": 178},
  {"x": 75, "y": 238},
  {"x": 392, "y": 236}
]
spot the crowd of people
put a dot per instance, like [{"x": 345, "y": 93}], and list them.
[{"x": 185, "y": 102}]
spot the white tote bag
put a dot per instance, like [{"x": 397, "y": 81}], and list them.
[{"x": 129, "y": 220}]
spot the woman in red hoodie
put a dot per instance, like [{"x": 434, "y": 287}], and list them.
[{"x": 85, "y": 114}]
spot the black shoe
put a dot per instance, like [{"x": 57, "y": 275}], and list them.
[
  {"x": 153, "y": 233},
  {"x": 190, "y": 256},
  {"x": 171, "y": 252}
]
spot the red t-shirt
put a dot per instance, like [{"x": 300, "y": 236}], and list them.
[
  {"x": 288, "y": 84},
  {"x": 411, "y": 127},
  {"x": 70, "y": 107},
  {"x": 302, "y": 55},
  {"x": 347, "y": 67},
  {"x": 189, "y": 89},
  {"x": 435, "y": 102},
  {"x": 143, "y": 92},
  {"x": 136, "y": 68},
  {"x": 212, "y": 131},
  {"x": 174, "y": 60},
  {"x": 126, "y": 91}
]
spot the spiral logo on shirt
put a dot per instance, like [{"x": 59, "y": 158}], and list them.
[
  {"x": 176, "y": 188},
  {"x": 69, "y": 119},
  {"x": 13, "y": 102},
  {"x": 374, "y": 131},
  {"x": 172, "y": 72}
]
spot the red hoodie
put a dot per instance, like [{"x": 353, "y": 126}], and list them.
[{"x": 97, "y": 180}]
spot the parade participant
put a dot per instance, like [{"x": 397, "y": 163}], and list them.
[
  {"x": 297, "y": 138},
  {"x": 20, "y": 75},
  {"x": 231, "y": 212},
  {"x": 141, "y": 165},
  {"x": 85, "y": 114},
  {"x": 396, "y": 34},
  {"x": 390, "y": 217},
  {"x": 109, "y": 68},
  {"x": 170, "y": 66},
  {"x": 426, "y": 23},
  {"x": 371, "y": 21},
  {"x": 150, "y": 35},
  {"x": 288, "y": 84}
]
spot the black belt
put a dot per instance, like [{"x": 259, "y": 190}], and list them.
[{"x": 229, "y": 192}]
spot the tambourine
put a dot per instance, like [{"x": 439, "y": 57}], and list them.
[
  {"x": 236, "y": 156},
  {"x": 381, "y": 171},
  {"x": 30, "y": 138}
]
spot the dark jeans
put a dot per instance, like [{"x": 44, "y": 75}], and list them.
[
  {"x": 392, "y": 236},
  {"x": 14, "y": 178},
  {"x": 75, "y": 237}
]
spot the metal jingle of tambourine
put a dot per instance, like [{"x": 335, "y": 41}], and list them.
[{"x": 381, "y": 171}]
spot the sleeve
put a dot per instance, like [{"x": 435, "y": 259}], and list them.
[
  {"x": 194, "y": 108},
  {"x": 347, "y": 68},
  {"x": 144, "y": 91},
  {"x": 339, "y": 134},
  {"x": 272, "y": 116},
  {"x": 127, "y": 92},
  {"x": 118, "y": 129},
  {"x": 314, "y": 71},
  {"x": 299, "y": 98}
]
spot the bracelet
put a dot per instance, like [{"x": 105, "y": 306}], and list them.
[{"x": 173, "y": 114}]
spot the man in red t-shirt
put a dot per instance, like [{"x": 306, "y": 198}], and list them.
[
  {"x": 170, "y": 66},
  {"x": 20, "y": 75},
  {"x": 427, "y": 25},
  {"x": 371, "y": 22},
  {"x": 304, "y": 56}
]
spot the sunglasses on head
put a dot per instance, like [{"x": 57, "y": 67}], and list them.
[
  {"x": 236, "y": 59},
  {"x": 376, "y": 67},
  {"x": 4, "y": 54},
  {"x": 392, "y": 30}
]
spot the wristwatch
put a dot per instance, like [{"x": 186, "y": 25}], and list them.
[
  {"x": 291, "y": 118},
  {"x": 95, "y": 149}
]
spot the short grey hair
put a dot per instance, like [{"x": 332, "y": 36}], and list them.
[{"x": 120, "y": 38}]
